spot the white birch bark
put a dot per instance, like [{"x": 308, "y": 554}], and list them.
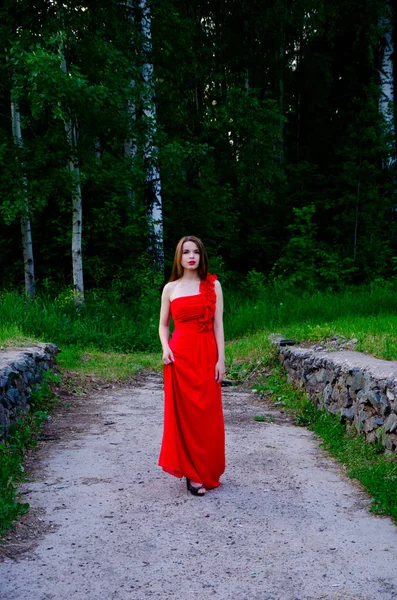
[
  {"x": 77, "y": 205},
  {"x": 386, "y": 99},
  {"x": 26, "y": 232},
  {"x": 153, "y": 180},
  {"x": 98, "y": 150}
]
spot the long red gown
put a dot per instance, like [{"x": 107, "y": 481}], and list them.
[{"x": 193, "y": 443}]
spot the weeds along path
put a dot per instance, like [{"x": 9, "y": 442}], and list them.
[{"x": 285, "y": 525}]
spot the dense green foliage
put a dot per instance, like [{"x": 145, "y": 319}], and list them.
[
  {"x": 108, "y": 325},
  {"x": 269, "y": 138}
]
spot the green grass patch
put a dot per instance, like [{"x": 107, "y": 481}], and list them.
[
  {"x": 247, "y": 355},
  {"x": 103, "y": 322},
  {"x": 264, "y": 419},
  {"x": 11, "y": 335},
  {"x": 115, "y": 366},
  {"x": 110, "y": 325},
  {"x": 369, "y": 464},
  {"x": 366, "y": 313},
  {"x": 115, "y": 339},
  {"x": 23, "y": 435}
]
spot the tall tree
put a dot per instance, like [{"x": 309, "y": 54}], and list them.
[
  {"x": 27, "y": 244},
  {"x": 153, "y": 180},
  {"x": 71, "y": 128},
  {"x": 130, "y": 145},
  {"x": 386, "y": 73}
]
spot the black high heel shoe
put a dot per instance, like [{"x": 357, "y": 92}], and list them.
[{"x": 193, "y": 490}]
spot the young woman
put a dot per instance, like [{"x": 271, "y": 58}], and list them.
[{"x": 194, "y": 366}]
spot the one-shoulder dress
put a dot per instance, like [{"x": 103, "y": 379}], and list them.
[{"x": 193, "y": 443}]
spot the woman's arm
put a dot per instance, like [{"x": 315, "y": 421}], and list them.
[
  {"x": 164, "y": 328},
  {"x": 219, "y": 334}
]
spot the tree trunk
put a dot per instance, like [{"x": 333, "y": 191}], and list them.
[
  {"x": 98, "y": 150},
  {"x": 26, "y": 231},
  {"x": 386, "y": 99},
  {"x": 153, "y": 181},
  {"x": 77, "y": 205},
  {"x": 28, "y": 259}
]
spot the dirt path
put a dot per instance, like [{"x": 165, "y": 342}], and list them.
[{"x": 285, "y": 525}]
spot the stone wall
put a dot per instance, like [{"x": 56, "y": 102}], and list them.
[
  {"x": 362, "y": 389},
  {"x": 20, "y": 369}
]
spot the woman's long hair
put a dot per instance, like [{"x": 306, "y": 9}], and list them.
[{"x": 177, "y": 269}]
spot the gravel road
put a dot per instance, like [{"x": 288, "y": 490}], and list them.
[{"x": 108, "y": 524}]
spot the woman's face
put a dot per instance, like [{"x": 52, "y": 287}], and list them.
[{"x": 190, "y": 256}]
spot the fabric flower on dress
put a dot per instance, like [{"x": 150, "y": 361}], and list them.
[{"x": 207, "y": 289}]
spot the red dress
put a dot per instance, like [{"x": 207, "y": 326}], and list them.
[{"x": 193, "y": 441}]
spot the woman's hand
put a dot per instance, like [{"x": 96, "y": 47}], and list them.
[
  {"x": 168, "y": 356},
  {"x": 220, "y": 371}
]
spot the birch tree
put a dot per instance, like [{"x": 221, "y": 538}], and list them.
[
  {"x": 386, "y": 99},
  {"x": 153, "y": 181},
  {"x": 26, "y": 231},
  {"x": 77, "y": 204},
  {"x": 130, "y": 146}
]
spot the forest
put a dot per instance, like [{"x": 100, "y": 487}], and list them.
[{"x": 265, "y": 128}]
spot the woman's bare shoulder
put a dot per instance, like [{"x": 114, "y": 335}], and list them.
[{"x": 169, "y": 288}]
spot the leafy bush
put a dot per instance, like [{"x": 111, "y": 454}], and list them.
[{"x": 255, "y": 284}]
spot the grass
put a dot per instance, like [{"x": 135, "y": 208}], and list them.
[
  {"x": 103, "y": 322},
  {"x": 23, "y": 435},
  {"x": 369, "y": 464},
  {"x": 11, "y": 335},
  {"x": 264, "y": 419},
  {"x": 115, "y": 366},
  {"x": 108, "y": 325},
  {"x": 369, "y": 314}
]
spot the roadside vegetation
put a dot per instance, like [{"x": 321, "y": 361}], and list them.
[
  {"x": 108, "y": 323},
  {"x": 114, "y": 340},
  {"x": 22, "y": 438}
]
